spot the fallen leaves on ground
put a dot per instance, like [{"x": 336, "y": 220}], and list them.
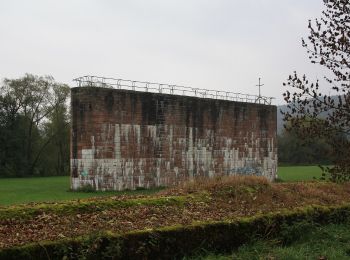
[{"x": 217, "y": 200}]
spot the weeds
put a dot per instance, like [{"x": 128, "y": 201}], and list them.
[
  {"x": 218, "y": 184},
  {"x": 86, "y": 188}
]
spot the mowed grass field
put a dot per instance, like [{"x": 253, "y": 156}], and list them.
[
  {"x": 298, "y": 173},
  {"x": 48, "y": 189},
  {"x": 25, "y": 190},
  {"x": 307, "y": 242}
]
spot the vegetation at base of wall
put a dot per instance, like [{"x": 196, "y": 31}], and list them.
[
  {"x": 217, "y": 189},
  {"x": 179, "y": 241},
  {"x": 56, "y": 188},
  {"x": 86, "y": 188}
]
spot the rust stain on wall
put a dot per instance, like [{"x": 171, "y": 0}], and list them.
[{"x": 126, "y": 139}]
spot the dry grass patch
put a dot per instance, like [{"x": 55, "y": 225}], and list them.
[{"x": 218, "y": 184}]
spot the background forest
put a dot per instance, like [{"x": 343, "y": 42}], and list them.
[{"x": 34, "y": 127}]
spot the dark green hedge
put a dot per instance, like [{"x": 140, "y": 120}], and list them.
[{"x": 178, "y": 241}]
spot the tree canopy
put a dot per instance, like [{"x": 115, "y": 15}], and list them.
[
  {"x": 34, "y": 125},
  {"x": 313, "y": 114}
]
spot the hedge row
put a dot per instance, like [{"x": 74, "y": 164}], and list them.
[{"x": 178, "y": 241}]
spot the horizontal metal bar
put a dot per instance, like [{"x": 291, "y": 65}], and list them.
[{"x": 134, "y": 85}]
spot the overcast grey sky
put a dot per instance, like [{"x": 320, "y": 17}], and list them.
[{"x": 214, "y": 44}]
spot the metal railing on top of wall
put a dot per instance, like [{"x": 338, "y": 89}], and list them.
[{"x": 95, "y": 81}]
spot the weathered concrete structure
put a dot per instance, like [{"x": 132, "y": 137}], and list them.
[{"x": 124, "y": 139}]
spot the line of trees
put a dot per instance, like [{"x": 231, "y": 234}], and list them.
[
  {"x": 34, "y": 127},
  {"x": 293, "y": 150},
  {"x": 312, "y": 114}
]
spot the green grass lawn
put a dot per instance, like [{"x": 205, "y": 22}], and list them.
[
  {"x": 298, "y": 173},
  {"x": 23, "y": 190},
  {"x": 323, "y": 242}
]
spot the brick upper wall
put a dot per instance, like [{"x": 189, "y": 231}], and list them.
[{"x": 127, "y": 139}]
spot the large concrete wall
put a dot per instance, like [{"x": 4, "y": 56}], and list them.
[{"x": 125, "y": 139}]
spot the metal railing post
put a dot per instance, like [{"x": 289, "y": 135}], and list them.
[{"x": 94, "y": 81}]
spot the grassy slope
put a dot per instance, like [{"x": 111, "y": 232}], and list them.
[
  {"x": 324, "y": 242},
  {"x": 24, "y": 190},
  {"x": 206, "y": 200}
]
